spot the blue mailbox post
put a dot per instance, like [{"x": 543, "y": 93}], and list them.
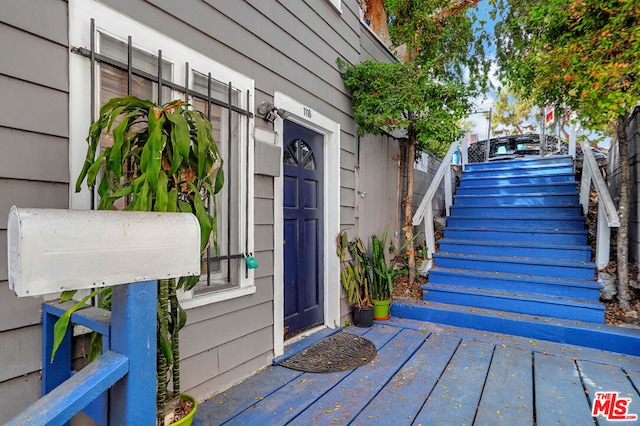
[{"x": 55, "y": 250}]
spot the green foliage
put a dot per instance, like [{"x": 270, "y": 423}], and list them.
[
  {"x": 511, "y": 114},
  {"x": 366, "y": 275},
  {"x": 381, "y": 273},
  {"x": 427, "y": 95},
  {"x": 445, "y": 38},
  {"x": 61, "y": 325},
  {"x": 163, "y": 159},
  {"x": 353, "y": 276},
  {"x": 580, "y": 54},
  {"x": 396, "y": 96}
]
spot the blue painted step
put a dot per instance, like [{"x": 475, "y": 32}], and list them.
[
  {"x": 515, "y": 241},
  {"x": 549, "y": 236},
  {"x": 597, "y": 336},
  {"x": 530, "y": 250},
  {"x": 523, "y": 303},
  {"x": 554, "y": 187},
  {"x": 471, "y": 181},
  {"x": 517, "y": 265},
  {"x": 529, "y": 212},
  {"x": 578, "y": 289},
  {"x": 546, "y": 161},
  {"x": 546, "y": 224},
  {"x": 507, "y": 171},
  {"x": 532, "y": 199}
]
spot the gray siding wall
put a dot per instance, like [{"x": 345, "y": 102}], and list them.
[
  {"x": 34, "y": 170},
  {"x": 288, "y": 46},
  {"x": 613, "y": 179}
]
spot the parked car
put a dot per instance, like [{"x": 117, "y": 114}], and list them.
[{"x": 519, "y": 146}]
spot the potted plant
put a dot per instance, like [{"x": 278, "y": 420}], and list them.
[
  {"x": 163, "y": 159},
  {"x": 354, "y": 280},
  {"x": 381, "y": 278}
]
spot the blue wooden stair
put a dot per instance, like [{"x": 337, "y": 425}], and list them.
[{"x": 516, "y": 242}]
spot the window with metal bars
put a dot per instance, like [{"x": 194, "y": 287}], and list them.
[{"x": 134, "y": 60}]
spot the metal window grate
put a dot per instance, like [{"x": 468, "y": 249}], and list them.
[{"x": 162, "y": 83}]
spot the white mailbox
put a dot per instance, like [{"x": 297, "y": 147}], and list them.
[{"x": 52, "y": 250}]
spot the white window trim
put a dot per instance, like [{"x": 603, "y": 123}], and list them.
[
  {"x": 307, "y": 117},
  {"x": 337, "y": 4},
  {"x": 120, "y": 26}
]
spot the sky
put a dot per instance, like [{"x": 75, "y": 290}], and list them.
[{"x": 479, "y": 120}]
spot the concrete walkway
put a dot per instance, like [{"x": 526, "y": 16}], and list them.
[{"x": 429, "y": 374}]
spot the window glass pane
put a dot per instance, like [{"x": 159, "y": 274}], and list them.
[
  {"x": 289, "y": 159},
  {"x": 219, "y": 90},
  {"x": 309, "y": 164},
  {"x": 142, "y": 60},
  {"x": 113, "y": 80},
  {"x": 222, "y": 271}
]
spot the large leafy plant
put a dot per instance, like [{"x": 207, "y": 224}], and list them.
[
  {"x": 353, "y": 275},
  {"x": 163, "y": 159},
  {"x": 380, "y": 272}
]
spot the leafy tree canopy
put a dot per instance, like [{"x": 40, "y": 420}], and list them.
[
  {"x": 583, "y": 54},
  {"x": 443, "y": 36},
  {"x": 511, "y": 114},
  {"x": 396, "y": 96}
]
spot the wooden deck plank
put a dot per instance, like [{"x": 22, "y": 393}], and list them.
[
  {"x": 455, "y": 398},
  {"x": 559, "y": 395},
  {"x": 228, "y": 404},
  {"x": 286, "y": 402},
  {"x": 507, "y": 398},
  {"x": 634, "y": 376},
  {"x": 343, "y": 402},
  {"x": 607, "y": 378},
  {"x": 403, "y": 396},
  {"x": 530, "y": 344},
  {"x": 302, "y": 344}
]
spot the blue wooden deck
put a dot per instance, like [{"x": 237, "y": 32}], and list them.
[{"x": 429, "y": 374}]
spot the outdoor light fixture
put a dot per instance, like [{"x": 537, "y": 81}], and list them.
[{"x": 271, "y": 112}]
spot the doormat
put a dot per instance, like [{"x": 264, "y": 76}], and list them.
[{"x": 339, "y": 352}]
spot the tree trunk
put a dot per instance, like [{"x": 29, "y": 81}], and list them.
[
  {"x": 622, "y": 249},
  {"x": 408, "y": 203}
]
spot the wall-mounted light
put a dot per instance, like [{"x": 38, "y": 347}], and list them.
[{"x": 271, "y": 112}]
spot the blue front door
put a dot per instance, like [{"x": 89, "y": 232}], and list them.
[{"x": 303, "y": 228}]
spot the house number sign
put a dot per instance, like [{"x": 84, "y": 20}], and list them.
[{"x": 306, "y": 112}]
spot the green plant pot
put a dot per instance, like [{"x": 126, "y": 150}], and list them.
[
  {"x": 381, "y": 310},
  {"x": 186, "y": 420},
  {"x": 363, "y": 317}
]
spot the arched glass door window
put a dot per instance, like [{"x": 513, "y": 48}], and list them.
[{"x": 298, "y": 153}]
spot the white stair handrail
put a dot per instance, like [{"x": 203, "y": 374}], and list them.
[
  {"x": 424, "y": 212},
  {"x": 607, "y": 213}
]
